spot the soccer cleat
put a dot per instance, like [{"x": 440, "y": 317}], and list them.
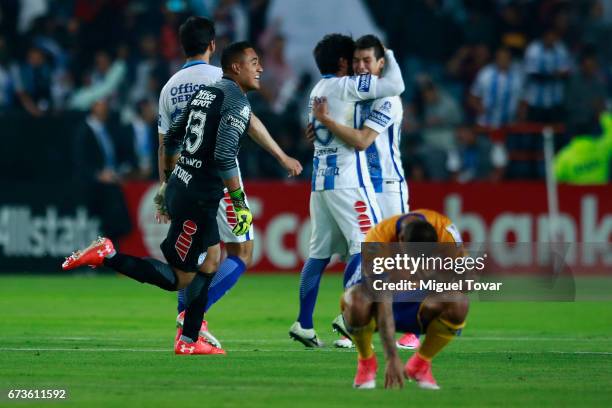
[
  {"x": 366, "y": 373},
  {"x": 343, "y": 342},
  {"x": 339, "y": 326},
  {"x": 419, "y": 370},
  {"x": 203, "y": 330},
  {"x": 307, "y": 337},
  {"x": 408, "y": 341},
  {"x": 92, "y": 256},
  {"x": 199, "y": 347}
]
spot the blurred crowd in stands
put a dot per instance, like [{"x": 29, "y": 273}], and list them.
[{"x": 469, "y": 66}]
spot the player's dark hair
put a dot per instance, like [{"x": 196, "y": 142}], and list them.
[
  {"x": 419, "y": 231},
  {"x": 233, "y": 52},
  {"x": 371, "y": 41},
  {"x": 330, "y": 49},
  {"x": 196, "y": 34}
]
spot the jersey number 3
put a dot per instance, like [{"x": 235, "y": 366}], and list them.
[{"x": 195, "y": 131}]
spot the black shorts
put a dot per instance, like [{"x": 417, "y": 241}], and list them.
[{"x": 193, "y": 227}]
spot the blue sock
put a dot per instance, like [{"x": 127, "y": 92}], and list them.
[
  {"x": 309, "y": 289},
  {"x": 181, "y": 300},
  {"x": 226, "y": 277},
  {"x": 350, "y": 268}
]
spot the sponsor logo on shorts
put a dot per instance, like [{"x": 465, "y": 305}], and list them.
[
  {"x": 363, "y": 219},
  {"x": 230, "y": 215},
  {"x": 184, "y": 240}
]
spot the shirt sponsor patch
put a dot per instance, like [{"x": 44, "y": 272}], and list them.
[
  {"x": 364, "y": 83},
  {"x": 379, "y": 118},
  {"x": 238, "y": 123}
]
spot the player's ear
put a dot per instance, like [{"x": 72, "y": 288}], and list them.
[
  {"x": 236, "y": 68},
  {"x": 212, "y": 47}
]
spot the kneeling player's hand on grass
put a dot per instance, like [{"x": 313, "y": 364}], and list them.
[
  {"x": 394, "y": 373},
  {"x": 244, "y": 218},
  {"x": 161, "y": 212},
  {"x": 293, "y": 167}
]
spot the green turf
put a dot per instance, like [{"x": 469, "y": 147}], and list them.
[{"x": 78, "y": 333}]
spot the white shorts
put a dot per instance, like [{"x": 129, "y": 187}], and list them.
[
  {"x": 226, "y": 220},
  {"x": 393, "y": 202},
  {"x": 340, "y": 220}
]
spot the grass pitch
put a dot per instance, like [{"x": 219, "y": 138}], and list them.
[{"x": 108, "y": 342}]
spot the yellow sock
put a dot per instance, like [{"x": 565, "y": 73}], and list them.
[
  {"x": 362, "y": 337},
  {"x": 439, "y": 333}
]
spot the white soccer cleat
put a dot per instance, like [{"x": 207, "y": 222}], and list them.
[
  {"x": 343, "y": 342},
  {"x": 308, "y": 337},
  {"x": 339, "y": 326}
]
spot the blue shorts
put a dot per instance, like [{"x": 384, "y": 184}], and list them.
[{"x": 406, "y": 316}]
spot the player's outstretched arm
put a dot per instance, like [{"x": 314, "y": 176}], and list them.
[
  {"x": 360, "y": 139},
  {"x": 261, "y": 136},
  {"x": 394, "y": 375},
  {"x": 232, "y": 126},
  {"x": 367, "y": 86}
]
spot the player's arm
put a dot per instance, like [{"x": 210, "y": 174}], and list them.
[
  {"x": 386, "y": 329},
  {"x": 261, "y": 136},
  {"x": 369, "y": 86},
  {"x": 360, "y": 139},
  {"x": 231, "y": 127},
  {"x": 167, "y": 154}
]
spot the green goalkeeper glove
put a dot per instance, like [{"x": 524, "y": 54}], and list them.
[{"x": 244, "y": 218}]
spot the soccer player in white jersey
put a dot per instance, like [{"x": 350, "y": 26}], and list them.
[
  {"x": 343, "y": 205},
  {"x": 378, "y": 134},
  {"x": 197, "y": 36}
]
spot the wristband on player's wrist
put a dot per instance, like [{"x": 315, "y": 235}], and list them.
[{"x": 238, "y": 198}]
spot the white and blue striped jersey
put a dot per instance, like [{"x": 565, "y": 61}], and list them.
[
  {"x": 500, "y": 93},
  {"x": 384, "y": 116},
  {"x": 179, "y": 88},
  {"x": 336, "y": 165},
  {"x": 541, "y": 60}
]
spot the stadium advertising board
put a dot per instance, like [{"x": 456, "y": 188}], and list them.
[
  {"x": 508, "y": 212},
  {"x": 35, "y": 236}
]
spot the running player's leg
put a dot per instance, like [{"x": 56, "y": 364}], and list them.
[
  {"x": 144, "y": 270},
  {"x": 196, "y": 294},
  {"x": 239, "y": 255}
]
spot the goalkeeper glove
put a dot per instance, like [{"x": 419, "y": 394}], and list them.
[
  {"x": 160, "y": 200},
  {"x": 244, "y": 218}
]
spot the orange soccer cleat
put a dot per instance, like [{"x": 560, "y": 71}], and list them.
[
  {"x": 366, "y": 373},
  {"x": 92, "y": 256},
  {"x": 419, "y": 370},
  {"x": 199, "y": 347},
  {"x": 203, "y": 330},
  {"x": 408, "y": 341}
]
